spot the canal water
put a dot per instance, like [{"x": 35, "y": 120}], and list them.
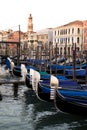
[{"x": 27, "y": 112}]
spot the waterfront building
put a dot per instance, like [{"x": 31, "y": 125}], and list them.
[
  {"x": 9, "y": 40},
  {"x": 3, "y": 37},
  {"x": 62, "y": 38},
  {"x": 44, "y": 37},
  {"x": 69, "y": 34},
  {"x": 85, "y": 34}
]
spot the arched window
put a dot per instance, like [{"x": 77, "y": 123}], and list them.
[
  {"x": 69, "y": 31},
  {"x": 66, "y": 31},
  {"x": 65, "y": 50},
  {"x": 57, "y": 50},
  {"x": 78, "y": 40},
  {"x": 69, "y": 50},
  {"x": 72, "y": 30},
  {"x": 77, "y": 49},
  {"x": 78, "y": 31},
  {"x": 61, "y": 51},
  {"x": 58, "y": 32},
  {"x": 68, "y": 40},
  {"x": 72, "y": 39}
]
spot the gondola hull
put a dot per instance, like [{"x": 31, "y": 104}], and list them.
[
  {"x": 27, "y": 81},
  {"x": 17, "y": 72},
  {"x": 44, "y": 89},
  {"x": 66, "y": 105},
  {"x": 43, "y": 93}
]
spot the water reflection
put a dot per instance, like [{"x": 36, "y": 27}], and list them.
[{"x": 43, "y": 115}]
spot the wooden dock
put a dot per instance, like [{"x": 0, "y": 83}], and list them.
[
  {"x": 19, "y": 82},
  {"x": 15, "y": 85}
]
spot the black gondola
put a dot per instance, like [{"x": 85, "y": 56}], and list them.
[{"x": 65, "y": 105}]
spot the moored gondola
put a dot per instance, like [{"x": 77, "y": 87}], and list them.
[
  {"x": 72, "y": 103},
  {"x": 69, "y": 106}
]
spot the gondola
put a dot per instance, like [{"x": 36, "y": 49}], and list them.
[
  {"x": 17, "y": 70},
  {"x": 70, "y": 99},
  {"x": 60, "y": 69},
  {"x": 0, "y": 96},
  {"x": 79, "y": 73},
  {"x": 44, "y": 88},
  {"x": 75, "y": 102},
  {"x": 67, "y": 105},
  {"x": 43, "y": 76}
]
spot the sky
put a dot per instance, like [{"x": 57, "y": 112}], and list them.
[{"x": 45, "y": 13}]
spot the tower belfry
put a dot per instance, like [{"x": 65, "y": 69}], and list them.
[{"x": 30, "y": 24}]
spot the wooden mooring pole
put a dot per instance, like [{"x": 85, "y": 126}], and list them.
[
  {"x": 74, "y": 62},
  {"x": 15, "y": 89},
  {"x": 86, "y": 67}
]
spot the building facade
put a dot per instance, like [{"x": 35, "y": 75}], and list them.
[
  {"x": 68, "y": 35},
  {"x": 61, "y": 38},
  {"x": 43, "y": 37},
  {"x": 85, "y": 34}
]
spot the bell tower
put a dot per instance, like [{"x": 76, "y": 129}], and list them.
[{"x": 30, "y": 24}]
